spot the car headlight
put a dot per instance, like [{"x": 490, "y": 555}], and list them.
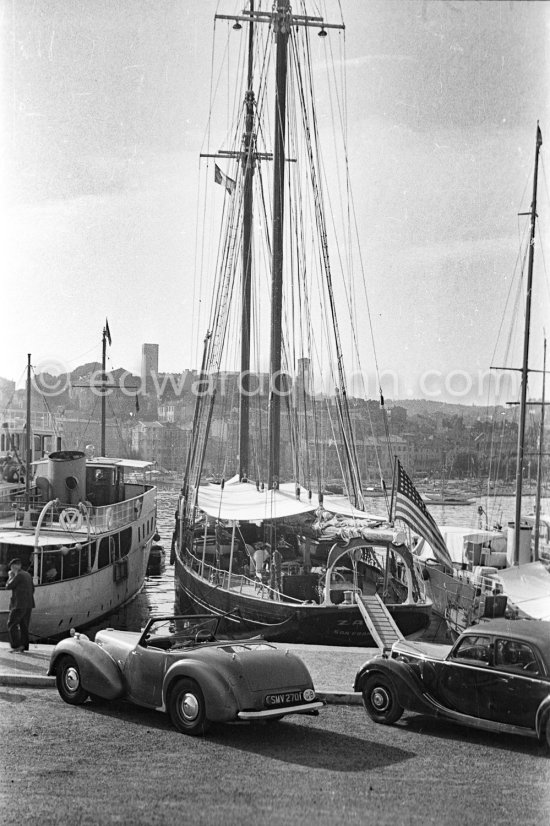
[{"x": 405, "y": 658}]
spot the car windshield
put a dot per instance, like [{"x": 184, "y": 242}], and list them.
[{"x": 172, "y": 632}]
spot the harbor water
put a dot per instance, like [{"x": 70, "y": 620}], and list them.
[{"x": 158, "y": 594}]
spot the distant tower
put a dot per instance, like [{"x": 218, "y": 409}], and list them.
[
  {"x": 149, "y": 372},
  {"x": 149, "y": 366},
  {"x": 303, "y": 379}
]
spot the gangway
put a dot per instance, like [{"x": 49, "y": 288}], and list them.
[{"x": 378, "y": 620}]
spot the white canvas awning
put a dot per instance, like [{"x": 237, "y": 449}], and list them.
[
  {"x": 343, "y": 507},
  {"x": 334, "y": 503},
  {"x": 243, "y": 501},
  {"x": 528, "y": 587}
]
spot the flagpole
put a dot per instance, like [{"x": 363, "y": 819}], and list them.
[
  {"x": 393, "y": 488},
  {"x": 525, "y": 365},
  {"x": 103, "y": 381}
]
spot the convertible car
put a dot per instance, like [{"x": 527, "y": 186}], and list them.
[
  {"x": 495, "y": 677},
  {"x": 176, "y": 664}
]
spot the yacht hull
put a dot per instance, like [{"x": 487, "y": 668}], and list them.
[{"x": 284, "y": 621}]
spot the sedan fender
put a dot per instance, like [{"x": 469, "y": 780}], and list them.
[
  {"x": 99, "y": 673},
  {"x": 219, "y": 695},
  {"x": 408, "y": 686},
  {"x": 543, "y": 713}
]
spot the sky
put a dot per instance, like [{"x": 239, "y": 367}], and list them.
[{"x": 104, "y": 107}]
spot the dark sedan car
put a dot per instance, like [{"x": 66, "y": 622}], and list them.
[
  {"x": 177, "y": 664},
  {"x": 495, "y": 677}
]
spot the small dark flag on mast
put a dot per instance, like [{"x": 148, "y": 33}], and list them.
[
  {"x": 108, "y": 332},
  {"x": 224, "y": 180},
  {"x": 539, "y": 136}
]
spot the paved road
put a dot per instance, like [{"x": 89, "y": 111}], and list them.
[{"x": 118, "y": 764}]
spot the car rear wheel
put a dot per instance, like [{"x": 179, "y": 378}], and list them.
[
  {"x": 187, "y": 708},
  {"x": 380, "y": 700},
  {"x": 547, "y": 731},
  {"x": 69, "y": 682}
]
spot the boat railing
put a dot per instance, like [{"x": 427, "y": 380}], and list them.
[
  {"x": 229, "y": 580},
  {"x": 487, "y": 584},
  {"x": 460, "y": 599},
  {"x": 8, "y": 498},
  {"x": 8, "y": 494},
  {"x": 109, "y": 517},
  {"x": 96, "y": 519}
]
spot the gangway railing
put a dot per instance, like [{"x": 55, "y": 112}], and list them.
[{"x": 378, "y": 620}]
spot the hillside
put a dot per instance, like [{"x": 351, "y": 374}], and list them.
[{"x": 430, "y": 408}]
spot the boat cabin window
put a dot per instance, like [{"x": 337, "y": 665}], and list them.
[
  {"x": 61, "y": 562},
  {"x": 475, "y": 648},
  {"x": 101, "y": 485},
  {"x": 109, "y": 550},
  {"x": 125, "y": 541}
]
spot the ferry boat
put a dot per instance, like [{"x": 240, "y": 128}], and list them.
[
  {"x": 82, "y": 527},
  {"x": 84, "y": 532}
]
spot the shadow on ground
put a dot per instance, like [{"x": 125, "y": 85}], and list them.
[
  {"x": 445, "y": 730},
  {"x": 305, "y": 742}
]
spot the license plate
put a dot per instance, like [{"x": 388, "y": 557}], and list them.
[{"x": 289, "y": 698}]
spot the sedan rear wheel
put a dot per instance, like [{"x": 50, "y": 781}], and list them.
[
  {"x": 68, "y": 681},
  {"x": 187, "y": 708},
  {"x": 380, "y": 700},
  {"x": 547, "y": 731}
]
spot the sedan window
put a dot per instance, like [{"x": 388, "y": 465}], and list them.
[
  {"x": 476, "y": 648},
  {"x": 516, "y": 656}
]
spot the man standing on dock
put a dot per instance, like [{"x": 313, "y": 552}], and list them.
[{"x": 21, "y": 604}]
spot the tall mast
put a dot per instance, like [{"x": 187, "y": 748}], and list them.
[
  {"x": 28, "y": 439},
  {"x": 103, "y": 389},
  {"x": 248, "y": 161},
  {"x": 525, "y": 365},
  {"x": 282, "y": 29},
  {"x": 540, "y": 458},
  {"x": 281, "y": 19}
]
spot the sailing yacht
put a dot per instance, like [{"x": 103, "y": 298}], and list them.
[
  {"x": 264, "y": 542},
  {"x": 497, "y": 571}
]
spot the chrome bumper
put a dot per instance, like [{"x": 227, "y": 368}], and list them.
[{"x": 278, "y": 712}]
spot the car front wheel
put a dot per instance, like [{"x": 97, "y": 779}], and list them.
[
  {"x": 380, "y": 700},
  {"x": 68, "y": 681},
  {"x": 187, "y": 708}
]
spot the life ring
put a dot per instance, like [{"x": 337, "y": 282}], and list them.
[
  {"x": 70, "y": 519},
  {"x": 109, "y": 517}
]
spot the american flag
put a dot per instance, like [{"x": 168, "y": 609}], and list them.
[{"x": 409, "y": 506}]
